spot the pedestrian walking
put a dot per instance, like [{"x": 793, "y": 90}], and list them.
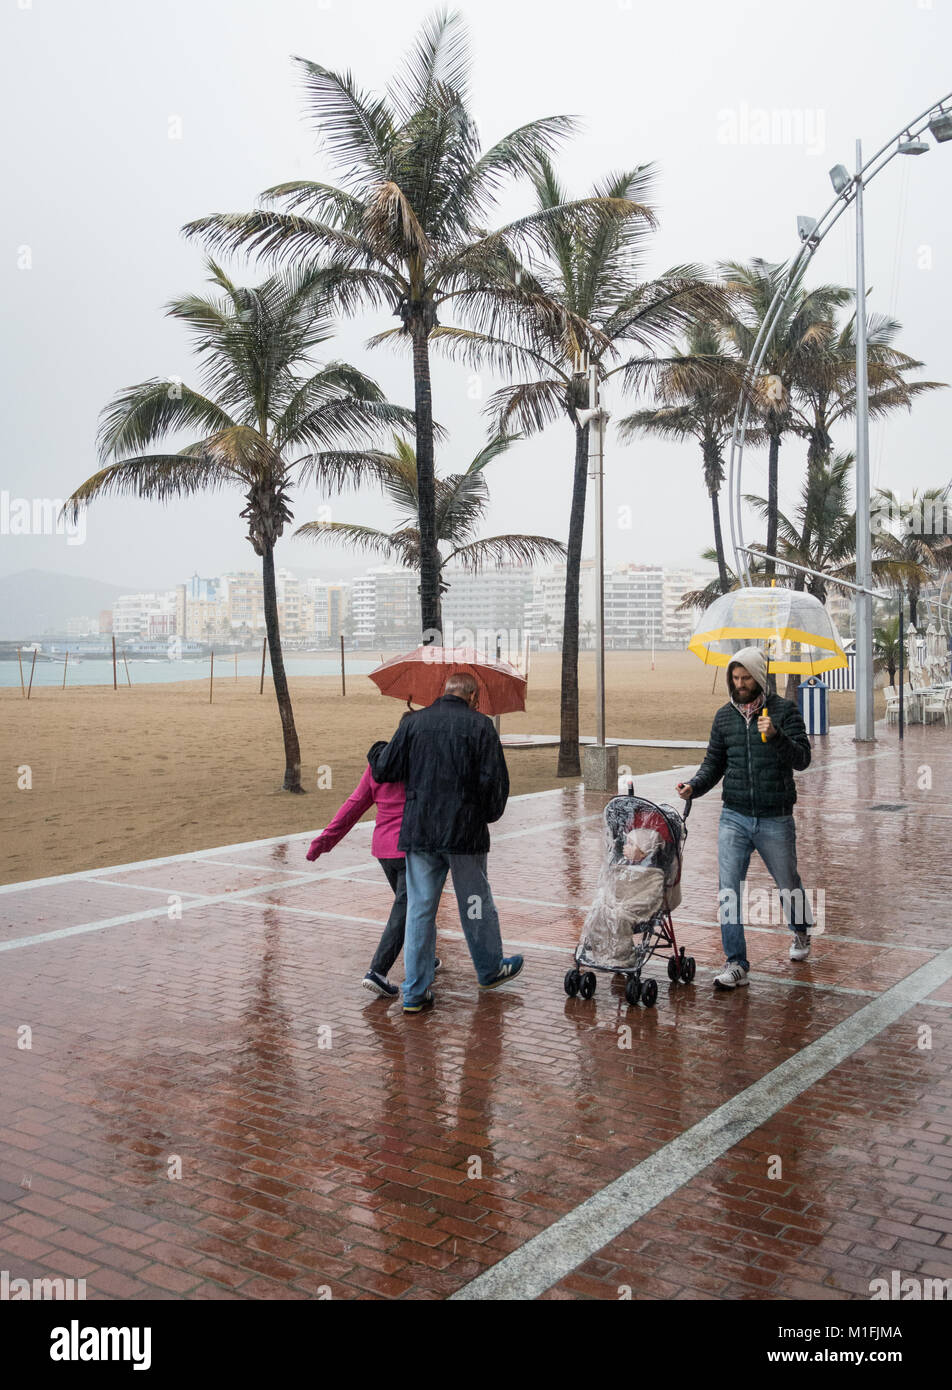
[
  {"x": 451, "y": 761},
  {"x": 757, "y": 742},
  {"x": 389, "y": 799}
]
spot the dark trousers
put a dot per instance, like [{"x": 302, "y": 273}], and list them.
[{"x": 391, "y": 943}]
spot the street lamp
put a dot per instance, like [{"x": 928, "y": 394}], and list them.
[{"x": 937, "y": 119}]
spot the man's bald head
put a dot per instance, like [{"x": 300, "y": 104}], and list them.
[{"x": 463, "y": 684}]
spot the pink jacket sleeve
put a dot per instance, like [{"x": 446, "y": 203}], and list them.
[{"x": 360, "y": 800}]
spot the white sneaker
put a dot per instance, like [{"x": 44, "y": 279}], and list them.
[
  {"x": 800, "y": 945},
  {"x": 731, "y": 976}
]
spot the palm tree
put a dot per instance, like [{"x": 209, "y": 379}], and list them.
[
  {"x": 921, "y": 552},
  {"x": 697, "y": 396},
  {"x": 800, "y": 331},
  {"x": 886, "y": 646},
  {"x": 588, "y": 627},
  {"x": 461, "y": 503},
  {"x": 254, "y": 411},
  {"x": 703, "y": 598},
  {"x": 406, "y": 228},
  {"x": 593, "y": 274}
]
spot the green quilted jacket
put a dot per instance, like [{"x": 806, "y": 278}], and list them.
[{"x": 758, "y": 776}]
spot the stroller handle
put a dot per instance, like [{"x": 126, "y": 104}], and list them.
[{"x": 687, "y": 809}]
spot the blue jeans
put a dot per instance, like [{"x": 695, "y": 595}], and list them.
[
  {"x": 426, "y": 874},
  {"x": 775, "y": 840}
]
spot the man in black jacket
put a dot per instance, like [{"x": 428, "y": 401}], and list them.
[
  {"x": 457, "y": 784},
  {"x": 757, "y": 743}
]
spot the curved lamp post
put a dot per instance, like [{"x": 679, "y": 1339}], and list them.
[{"x": 849, "y": 188}]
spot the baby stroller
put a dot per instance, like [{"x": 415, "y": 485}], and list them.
[{"x": 638, "y": 887}]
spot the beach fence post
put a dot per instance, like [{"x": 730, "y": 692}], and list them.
[
  {"x": 343, "y": 680},
  {"x": 125, "y": 662},
  {"x": 32, "y": 669},
  {"x": 20, "y": 660},
  {"x": 65, "y": 664},
  {"x": 236, "y": 668},
  {"x": 264, "y": 648},
  {"x": 211, "y": 677},
  {"x": 115, "y": 683}
]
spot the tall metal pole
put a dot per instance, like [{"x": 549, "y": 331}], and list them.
[
  {"x": 864, "y": 722},
  {"x": 598, "y": 441}
]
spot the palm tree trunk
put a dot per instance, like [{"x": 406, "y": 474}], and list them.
[
  {"x": 719, "y": 544},
  {"x": 430, "y": 608},
  {"x": 292, "y": 748},
  {"x": 569, "y": 762},
  {"x": 913, "y": 607},
  {"x": 773, "y": 504}
]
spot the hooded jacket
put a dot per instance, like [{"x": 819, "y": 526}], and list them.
[
  {"x": 456, "y": 777},
  {"x": 758, "y": 776}
]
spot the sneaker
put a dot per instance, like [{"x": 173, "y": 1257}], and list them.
[
  {"x": 379, "y": 984},
  {"x": 425, "y": 1003},
  {"x": 800, "y": 945},
  {"x": 731, "y": 976},
  {"x": 437, "y": 965},
  {"x": 511, "y": 965}
]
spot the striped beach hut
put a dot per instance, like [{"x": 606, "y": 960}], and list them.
[{"x": 844, "y": 677}]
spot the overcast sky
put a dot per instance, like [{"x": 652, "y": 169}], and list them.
[{"x": 97, "y": 193}]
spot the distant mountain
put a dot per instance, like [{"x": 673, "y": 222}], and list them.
[{"x": 33, "y": 602}]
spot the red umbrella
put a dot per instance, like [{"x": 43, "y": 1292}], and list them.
[{"x": 420, "y": 676}]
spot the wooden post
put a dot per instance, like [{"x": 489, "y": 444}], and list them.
[
  {"x": 32, "y": 669},
  {"x": 65, "y": 664},
  {"x": 264, "y": 648},
  {"x": 236, "y": 667},
  {"x": 20, "y": 660},
  {"x": 343, "y": 681},
  {"x": 126, "y": 664},
  {"x": 211, "y": 677},
  {"x": 525, "y": 664},
  {"x": 115, "y": 683}
]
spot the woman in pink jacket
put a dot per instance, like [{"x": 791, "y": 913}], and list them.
[{"x": 389, "y": 799}]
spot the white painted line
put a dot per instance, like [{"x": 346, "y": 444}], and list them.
[
  {"x": 574, "y": 1238},
  {"x": 146, "y": 888}
]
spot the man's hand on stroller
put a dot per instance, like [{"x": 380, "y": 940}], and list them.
[{"x": 685, "y": 791}]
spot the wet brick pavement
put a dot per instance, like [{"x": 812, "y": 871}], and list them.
[{"x": 328, "y": 1144}]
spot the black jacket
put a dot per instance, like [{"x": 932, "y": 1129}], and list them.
[
  {"x": 456, "y": 777},
  {"x": 758, "y": 776}
]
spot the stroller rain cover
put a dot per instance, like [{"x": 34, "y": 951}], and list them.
[{"x": 638, "y": 881}]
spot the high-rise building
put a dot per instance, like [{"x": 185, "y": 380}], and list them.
[
  {"x": 385, "y": 607},
  {"x": 144, "y": 616},
  {"x": 487, "y": 608}
]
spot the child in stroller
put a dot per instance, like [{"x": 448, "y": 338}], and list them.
[{"x": 638, "y": 888}]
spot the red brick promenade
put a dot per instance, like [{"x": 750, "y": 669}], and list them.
[{"x": 325, "y": 1142}]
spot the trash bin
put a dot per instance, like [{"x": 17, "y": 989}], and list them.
[{"x": 812, "y": 697}]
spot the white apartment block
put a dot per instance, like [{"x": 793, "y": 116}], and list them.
[
  {"x": 385, "y": 607},
  {"x": 487, "y": 607},
  {"x": 138, "y": 617}
]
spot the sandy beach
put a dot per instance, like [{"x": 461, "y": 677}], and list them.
[{"x": 137, "y": 773}]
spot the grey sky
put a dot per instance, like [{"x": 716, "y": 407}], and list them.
[{"x": 98, "y": 191}]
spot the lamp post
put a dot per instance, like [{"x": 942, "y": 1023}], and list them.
[{"x": 864, "y": 716}]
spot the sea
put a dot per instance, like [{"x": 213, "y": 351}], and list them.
[{"x": 160, "y": 671}]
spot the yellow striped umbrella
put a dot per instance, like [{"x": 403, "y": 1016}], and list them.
[{"x": 794, "y": 629}]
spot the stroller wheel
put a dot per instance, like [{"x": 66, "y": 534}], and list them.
[
  {"x": 649, "y": 993},
  {"x": 587, "y": 986},
  {"x": 572, "y": 982},
  {"x": 633, "y": 989},
  {"x": 674, "y": 968},
  {"x": 688, "y": 969}
]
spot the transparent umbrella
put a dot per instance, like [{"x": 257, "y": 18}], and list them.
[{"x": 793, "y": 628}]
